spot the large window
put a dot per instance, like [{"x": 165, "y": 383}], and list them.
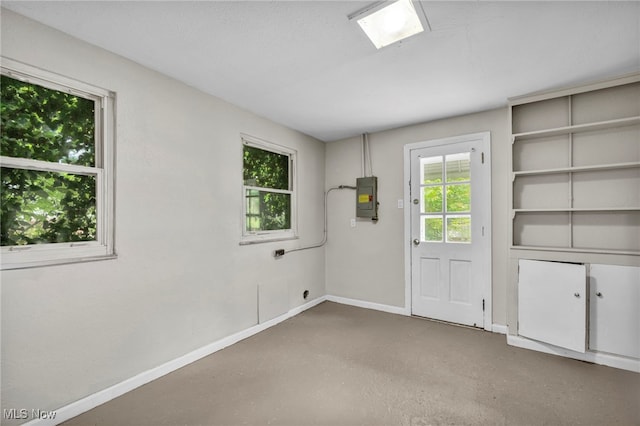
[
  {"x": 56, "y": 168},
  {"x": 268, "y": 191}
]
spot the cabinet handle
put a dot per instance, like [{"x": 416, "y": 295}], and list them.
[{"x": 599, "y": 294}]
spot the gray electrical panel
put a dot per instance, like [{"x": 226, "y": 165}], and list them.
[{"x": 367, "y": 197}]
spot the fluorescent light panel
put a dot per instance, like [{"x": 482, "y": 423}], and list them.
[{"x": 392, "y": 23}]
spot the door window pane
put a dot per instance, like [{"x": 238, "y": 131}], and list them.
[
  {"x": 432, "y": 199},
  {"x": 432, "y": 228},
  {"x": 431, "y": 169},
  {"x": 459, "y": 229},
  {"x": 458, "y": 167},
  {"x": 459, "y": 198}
]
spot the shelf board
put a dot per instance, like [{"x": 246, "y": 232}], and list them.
[
  {"x": 578, "y": 128},
  {"x": 577, "y": 169},
  {"x": 577, "y": 250},
  {"x": 577, "y": 209}
]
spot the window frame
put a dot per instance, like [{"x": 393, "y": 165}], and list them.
[
  {"x": 36, "y": 255},
  {"x": 253, "y": 237}
]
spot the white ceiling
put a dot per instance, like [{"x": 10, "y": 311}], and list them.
[{"x": 305, "y": 65}]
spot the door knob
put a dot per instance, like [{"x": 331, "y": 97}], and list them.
[
  {"x": 416, "y": 242},
  {"x": 416, "y": 201}
]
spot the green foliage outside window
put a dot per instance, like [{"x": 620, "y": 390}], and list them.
[
  {"x": 432, "y": 199},
  {"x": 459, "y": 198},
  {"x": 433, "y": 228},
  {"x": 459, "y": 229},
  {"x": 264, "y": 170},
  {"x": 53, "y": 126}
]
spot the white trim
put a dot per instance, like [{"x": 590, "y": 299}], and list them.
[
  {"x": 265, "y": 145},
  {"x": 85, "y": 404},
  {"x": 48, "y": 166},
  {"x": 270, "y": 240},
  {"x": 485, "y": 138},
  {"x": 406, "y": 183},
  {"x": 573, "y": 90},
  {"x": 399, "y": 310},
  {"x": 275, "y": 191},
  {"x": 35, "y": 75},
  {"x": 499, "y": 328},
  {"x": 601, "y": 358}
]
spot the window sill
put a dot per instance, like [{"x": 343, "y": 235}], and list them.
[
  {"x": 55, "y": 262},
  {"x": 272, "y": 239}
]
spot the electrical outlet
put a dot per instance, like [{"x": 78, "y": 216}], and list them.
[
  {"x": 353, "y": 223},
  {"x": 400, "y": 204}
]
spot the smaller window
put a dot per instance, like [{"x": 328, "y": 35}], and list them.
[{"x": 268, "y": 191}]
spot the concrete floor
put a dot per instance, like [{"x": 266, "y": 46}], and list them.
[{"x": 341, "y": 365}]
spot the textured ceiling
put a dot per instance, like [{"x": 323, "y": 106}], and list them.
[{"x": 305, "y": 65}]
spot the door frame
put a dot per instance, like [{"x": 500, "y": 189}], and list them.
[{"x": 485, "y": 138}]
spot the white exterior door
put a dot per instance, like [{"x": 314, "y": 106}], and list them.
[{"x": 450, "y": 204}]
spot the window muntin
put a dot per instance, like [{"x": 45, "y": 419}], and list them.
[
  {"x": 268, "y": 190},
  {"x": 56, "y": 176}
]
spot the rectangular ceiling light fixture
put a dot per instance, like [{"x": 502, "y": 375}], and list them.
[{"x": 388, "y": 22}]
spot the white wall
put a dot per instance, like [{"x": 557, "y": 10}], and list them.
[
  {"x": 181, "y": 279},
  {"x": 367, "y": 262}
]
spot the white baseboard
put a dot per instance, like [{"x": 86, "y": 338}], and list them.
[
  {"x": 85, "y": 404},
  {"x": 495, "y": 328},
  {"x": 610, "y": 360},
  {"x": 368, "y": 305}
]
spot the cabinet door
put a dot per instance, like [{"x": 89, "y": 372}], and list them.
[
  {"x": 552, "y": 304},
  {"x": 615, "y": 310}
]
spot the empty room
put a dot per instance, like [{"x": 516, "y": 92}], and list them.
[{"x": 320, "y": 212}]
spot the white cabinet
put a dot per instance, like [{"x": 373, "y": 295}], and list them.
[
  {"x": 587, "y": 311},
  {"x": 552, "y": 303},
  {"x": 614, "y": 310}
]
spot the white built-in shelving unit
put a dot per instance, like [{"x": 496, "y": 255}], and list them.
[
  {"x": 576, "y": 169},
  {"x": 575, "y": 200}
]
